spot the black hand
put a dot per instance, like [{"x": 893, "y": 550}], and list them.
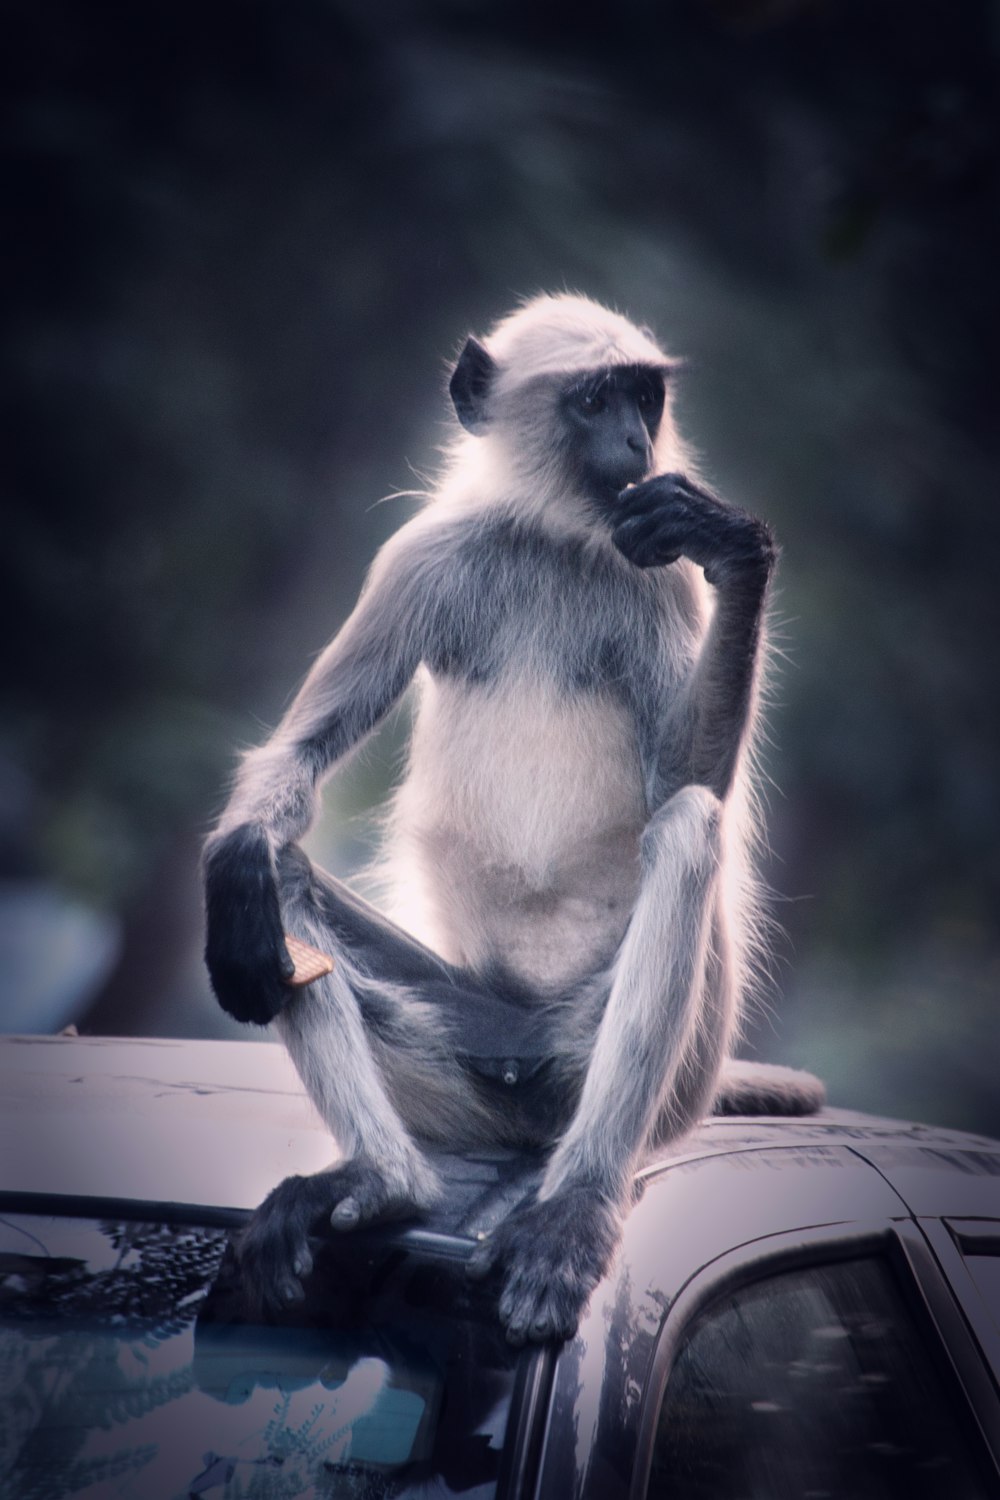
[
  {"x": 670, "y": 516},
  {"x": 248, "y": 963},
  {"x": 273, "y": 1251}
]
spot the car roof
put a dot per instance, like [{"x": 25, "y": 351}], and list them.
[{"x": 207, "y": 1128}]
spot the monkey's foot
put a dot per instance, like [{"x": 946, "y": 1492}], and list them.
[
  {"x": 552, "y": 1255},
  {"x": 273, "y": 1250}
]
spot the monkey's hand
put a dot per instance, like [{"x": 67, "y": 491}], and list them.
[
  {"x": 551, "y": 1255},
  {"x": 273, "y": 1251},
  {"x": 248, "y": 963},
  {"x": 669, "y": 516}
]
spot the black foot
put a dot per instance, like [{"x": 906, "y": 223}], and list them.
[
  {"x": 552, "y": 1255},
  {"x": 273, "y": 1250}
]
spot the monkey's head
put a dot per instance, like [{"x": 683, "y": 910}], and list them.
[{"x": 574, "y": 398}]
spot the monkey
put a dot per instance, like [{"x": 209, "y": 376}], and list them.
[{"x": 573, "y": 915}]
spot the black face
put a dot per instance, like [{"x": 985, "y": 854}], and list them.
[{"x": 612, "y": 417}]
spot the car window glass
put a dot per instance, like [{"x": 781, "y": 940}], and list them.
[
  {"x": 127, "y": 1369},
  {"x": 810, "y": 1383}
]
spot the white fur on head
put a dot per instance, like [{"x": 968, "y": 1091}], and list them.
[
  {"x": 556, "y": 335},
  {"x": 516, "y": 462}
]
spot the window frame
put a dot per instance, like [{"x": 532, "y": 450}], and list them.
[
  {"x": 953, "y": 1241},
  {"x": 904, "y": 1250}
]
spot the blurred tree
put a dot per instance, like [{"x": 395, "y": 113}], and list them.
[{"x": 239, "y": 239}]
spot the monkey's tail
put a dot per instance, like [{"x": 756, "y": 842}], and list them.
[{"x": 756, "y": 1088}]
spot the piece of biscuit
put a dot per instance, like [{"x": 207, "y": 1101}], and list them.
[{"x": 309, "y": 962}]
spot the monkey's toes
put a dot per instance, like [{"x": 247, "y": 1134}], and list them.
[
  {"x": 274, "y": 1258},
  {"x": 290, "y": 1290},
  {"x": 535, "y": 1313}
]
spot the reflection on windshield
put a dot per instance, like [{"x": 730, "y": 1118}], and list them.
[{"x": 125, "y": 1371}]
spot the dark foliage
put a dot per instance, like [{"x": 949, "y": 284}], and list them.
[{"x": 238, "y": 240}]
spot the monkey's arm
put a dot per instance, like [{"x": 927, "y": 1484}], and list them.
[
  {"x": 670, "y": 516},
  {"x": 353, "y": 684}
]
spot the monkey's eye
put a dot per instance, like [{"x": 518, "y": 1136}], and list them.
[
  {"x": 649, "y": 397},
  {"x": 590, "y": 402}
]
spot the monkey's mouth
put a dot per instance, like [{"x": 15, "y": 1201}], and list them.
[
  {"x": 626, "y": 477},
  {"x": 632, "y": 484},
  {"x": 629, "y": 475},
  {"x": 604, "y": 490}
]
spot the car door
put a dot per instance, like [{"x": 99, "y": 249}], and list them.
[
  {"x": 818, "y": 1370},
  {"x": 777, "y": 1325}
]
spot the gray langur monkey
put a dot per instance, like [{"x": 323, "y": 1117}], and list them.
[{"x": 574, "y": 909}]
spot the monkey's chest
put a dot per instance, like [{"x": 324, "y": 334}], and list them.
[
  {"x": 529, "y": 776},
  {"x": 522, "y": 812}
]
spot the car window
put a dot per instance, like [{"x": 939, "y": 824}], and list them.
[
  {"x": 814, "y": 1382},
  {"x": 127, "y": 1368}
]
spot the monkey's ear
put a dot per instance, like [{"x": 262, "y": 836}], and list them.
[{"x": 470, "y": 385}]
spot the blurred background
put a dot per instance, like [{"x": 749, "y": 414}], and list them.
[{"x": 242, "y": 239}]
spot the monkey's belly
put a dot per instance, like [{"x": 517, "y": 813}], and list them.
[
  {"x": 518, "y": 826},
  {"x": 549, "y": 935}
]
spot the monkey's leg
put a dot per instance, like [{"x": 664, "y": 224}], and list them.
[
  {"x": 384, "y": 1175},
  {"x": 554, "y": 1251},
  {"x": 709, "y": 1079},
  {"x": 660, "y": 1002},
  {"x": 375, "y": 1044},
  {"x": 409, "y": 996},
  {"x": 690, "y": 1094}
]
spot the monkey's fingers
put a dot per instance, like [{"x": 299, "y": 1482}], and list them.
[
  {"x": 675, "y": 490},
  {"x": 650, "y": 541},
  {"x": 310, "y": 963}
]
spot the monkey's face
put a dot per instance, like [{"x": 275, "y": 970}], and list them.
[{"x": 611, "y": 418}]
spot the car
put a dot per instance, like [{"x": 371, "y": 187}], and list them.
[{"x": 799, "y": 1308}]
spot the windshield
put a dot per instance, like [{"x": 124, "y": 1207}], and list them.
[{"x": 126, "y": 1370}]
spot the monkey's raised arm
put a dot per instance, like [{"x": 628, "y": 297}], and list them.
[
  {"x": 724, "y": 686},
  {"x": 670, "y": 516},
  {"x": 353, "y": 684}
]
